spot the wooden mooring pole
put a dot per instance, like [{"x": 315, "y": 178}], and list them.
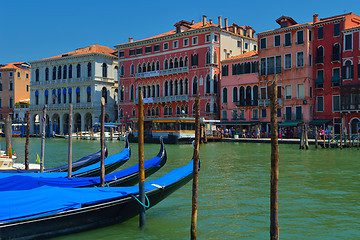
[
  {"x": 316, "y": 137},
  {"x": 27, "y": 141},
  {"x": 306, "y": 137},
  {"x": 358, "y": 137},
  {"x": 324, "y": 140},
  {"x": 43, "y": 126},
  {"x": 70, "y": 140},
  {"x": 141, "y": 161},
  {"x": 8, "y": 136},
  {"x": 274, "y": 224},
  {"x": 196, "y": 157},
  {"x": 102, "y": 142}
]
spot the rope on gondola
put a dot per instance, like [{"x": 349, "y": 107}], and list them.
[{"x": 147, "y": 199}]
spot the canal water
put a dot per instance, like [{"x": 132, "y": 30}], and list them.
[{"x": 319, "y": 191}]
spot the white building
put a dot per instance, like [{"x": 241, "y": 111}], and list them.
[{"x": 80, "y": 77}]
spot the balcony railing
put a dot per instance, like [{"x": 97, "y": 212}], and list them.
[
  {"x": 244, "y": 103},
  {"x": 75, "y": 105},
  {"x": 72, "y": 80},
  {"x": 164, "y": 99},
  {"x": 335, "y": 57},
  {"x": 266, "y": 102},
  {"x": 319, "y": 59},
  {"x": 162, "y": 72}
]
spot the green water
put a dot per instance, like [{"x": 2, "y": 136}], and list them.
[{"x": 319, "y": 191}]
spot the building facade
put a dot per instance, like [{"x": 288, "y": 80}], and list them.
[
  {"x": 286, "y": 53},
  {"x": 171, "y": 68},
  {"x": 350, "y": 80},
  {"x": 240, "y": 91},
  {"x": 14, "y": 86},
  {"x": 80, "y": 77}
]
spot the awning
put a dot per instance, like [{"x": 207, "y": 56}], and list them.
[
  {"x": 237, "y": 123},
  {"x": 290, "y": 124},
  {"x": 319, "y": 122}
]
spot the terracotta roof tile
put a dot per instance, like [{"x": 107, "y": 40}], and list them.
[
  {"x": 15, "y": 65},
  {"x": 241, "y": 56},
  {"x": 86, "y": 50}
]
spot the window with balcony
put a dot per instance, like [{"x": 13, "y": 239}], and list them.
[{"x": 287, "y": 40}]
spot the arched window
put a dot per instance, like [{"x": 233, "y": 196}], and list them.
[
  {"x": 70, "y": 95},
  {"x": 36, "y": 97},
  {"x": 193, "y": 109},
  {"x": 153, "y": 113},
  {"x": 248, "y": 96},
  {"x": 348, "y": 70},
  {"x": 37, "y": 75},
  {"x": 186, "y": 90},
  {"x": 207, "y": 108},
  {"x": 157, "y": 111},
  {"x": 181, "y": 87},
  {"x": 77, "y": 95},
  {"x": 255, "y": 95},
  {"x": 166, "y": 89},
  {"x": 133, "y": 112},
  {"x": 54, "y": 73},
  {"x": 104, "y": 93},
  {"x": 70, "y": 71},
  {"x": 47, "y": 74},
  {"x": 208, "y": 83},
  {"x": 166, "y": 111},
  {"x": 139, "y": 68},
  {"x": 148, "y": 112},
  {"x": 320, "y": 55},
  {"x": 181, "y": 62},
  {"x": 242, "y": 96},
  {"x": 215, "y": 109},
  {"x": 224, "y": 95},
  {"x": 171, "y": 64},
  {"x": 116, "y": 73},
  {"x": 176, "y": 63},
  {"x": 215, "y": 84},
  {"x": 170, "y": 113},
  {"x": 178, "y": 111},
  {"x": 144, "y": 67},
  {"x": 89, "y": 69},
  {"x": 153, "y": 66},
  {"x": 235, "y": 94},
  {"x": 157, "y": 65},
  {"x": 46, "y": 96},
  {"x": 104, "y": 70},
  {"x": 208, "y": 58},
  {"x": 59, "y": 72},
  {"x": 53, "y": 96},
  {"x": 186, "y": 61},
  {"x": 121, "y": 113},
  {"x": 148, "y": 67},
  {"x": 132, "y": 92},
  {"x": 171, "y": 88},
  {"x": 158, "y": 90},
  {"x": 195, "y": 85},
  {"x": 88, "y": 94},
  {"x": 59, "y": 95},
  {"x": 122, "y": 70},
  {"x": 153, "y": 90},
  {"x": 148, "y": 91},
  {"x": 176, "y": 87},
  {"x": 122, "y": 93},
  {"x": 215, "y": 60},
  {"x": 166, "y": 64},
  {"x": 78, "y": 70},
  {"x": 186, "y": 109},
  {"x": 64, "y": 95},
  {"x": 132, "y": 69},
  {"x": 65, "y": 72}
]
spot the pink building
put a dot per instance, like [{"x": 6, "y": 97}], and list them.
[
  {"x": 172, "y": 67},
  {"x": 240, "y": 91},
  {"x": 286, "y": 53}
]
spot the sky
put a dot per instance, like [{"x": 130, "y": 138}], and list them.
[{"x": 32, "y": 30}]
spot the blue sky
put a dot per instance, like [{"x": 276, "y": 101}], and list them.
[{"x": 32, "y": 30}]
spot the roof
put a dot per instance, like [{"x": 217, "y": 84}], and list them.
[
  {"x": 86, "y": 50},
  {"x": 287, "y": 18},
  {"x": 286, "y": 28},
  {"x": 198, "y": 25},
  {"x": 241, "y": 56},
  {"x": 16, "y": 65}
]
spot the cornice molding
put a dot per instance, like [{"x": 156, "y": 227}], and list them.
[
  {"x": 280, "y": 30},
  {"x": 73, "y": 57}
]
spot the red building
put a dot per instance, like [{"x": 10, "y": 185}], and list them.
[
  {"x": 328, "y": 51},
  {"x": 350, "y": 80},
  {"x": 172, "y": 67}
]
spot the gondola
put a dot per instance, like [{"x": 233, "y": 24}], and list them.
[
  {"x": 126, "y": 177},
  {"x": 50, "y": 211},
  {"x": 111, "y": 164},
  {"x": 82, "y": 162}
]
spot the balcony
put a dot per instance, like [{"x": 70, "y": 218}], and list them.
[
  {"x": 335, "y": 57},
  {"x": 72, "y": 80},
  {"x": 247, "y": 103},
  {"x": 266, "y": 102},
  {"x": 75, "y": 106},
  {"x": 162, "y": 72},
  {"x": 164, "y": 99}
]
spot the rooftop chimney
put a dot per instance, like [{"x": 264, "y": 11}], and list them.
[
  {"x": 192, "y": 22},
  {"x": 210, "y": 20},
  {"x": 235, "y": 29},
  {"x": 315, "y": 18},
  {"x": 219, "y": 19},
  {"x": 226, "y": 24},
  {"x": 131, "y": 39},
  {"x": 204, "y": 20}
]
